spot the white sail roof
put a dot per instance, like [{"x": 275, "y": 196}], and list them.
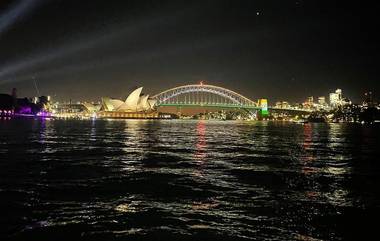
[
  {"x": 134, "y": 102},
  {"x": 131, "y": 101},
  {"x": 143, "y": 103}
]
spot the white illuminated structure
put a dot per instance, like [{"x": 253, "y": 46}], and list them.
[
  {"x": 336, "y": 98},
  {"x": 135, "y": 102}
]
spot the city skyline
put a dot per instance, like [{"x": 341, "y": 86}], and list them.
[
  {"x": 327, "y": 97},
  {"x": 280, "y": 51}
]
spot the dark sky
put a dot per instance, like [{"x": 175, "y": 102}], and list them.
[{"x": 282, "y": 50}]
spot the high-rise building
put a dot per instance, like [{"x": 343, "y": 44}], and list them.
[
  {"x": 333, "y": 99},
  {"x": 310, "y": 100},
  {"x": 321, "y": 100},
  {"x": 336, "y": 98},
  {"x": 339, "y": 93},
  {"x": 309, "y": 103},
  {"x": 282, "y": 105}
]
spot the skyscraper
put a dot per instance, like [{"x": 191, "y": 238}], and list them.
[
  {"x": 321, "y": 100},
  {"x": 336, "y": 98}
]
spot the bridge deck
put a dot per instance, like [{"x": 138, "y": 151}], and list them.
[{"x": 217, "y": 105}]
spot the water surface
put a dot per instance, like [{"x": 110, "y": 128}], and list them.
[{"x": 187, "y": 180}]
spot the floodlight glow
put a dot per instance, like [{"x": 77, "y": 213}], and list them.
[{"x": 16, "y": 12}]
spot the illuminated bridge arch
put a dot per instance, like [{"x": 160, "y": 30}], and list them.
[{"x": 203, "y": 95}]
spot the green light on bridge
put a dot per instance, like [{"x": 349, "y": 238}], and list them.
[
  {"x": 264, "y": 112},
  {"x": 263, "y": 103}
]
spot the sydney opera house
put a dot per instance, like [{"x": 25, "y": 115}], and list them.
[{"x": 136, "y": 105}]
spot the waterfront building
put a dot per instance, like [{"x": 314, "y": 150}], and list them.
[
  {"x": 11, "y": 104},
  {"x": 135, "y": 102},
  {"x": 282, "y": 105}
]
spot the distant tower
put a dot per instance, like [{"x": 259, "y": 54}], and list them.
[
  {"x": 14, "y": 93},
  {"x": 14, "y": 98},
  {"x": 368, "y": 100}
]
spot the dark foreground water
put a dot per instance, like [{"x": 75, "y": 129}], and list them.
[{"x": 188, "y": 180}]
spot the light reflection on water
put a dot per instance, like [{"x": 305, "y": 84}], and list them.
[
  {"x": 173, "y": 179},
  {"x": 200, "y": 153}
]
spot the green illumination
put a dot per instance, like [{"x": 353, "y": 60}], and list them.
[
  {"x": 264, "y": 112},
  {"x": 263, "y": 103}
]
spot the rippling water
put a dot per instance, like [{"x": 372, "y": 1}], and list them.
[{"x": 187, "y": 180}]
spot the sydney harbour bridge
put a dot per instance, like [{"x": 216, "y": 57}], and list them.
[{"x": 204, "y": 95}]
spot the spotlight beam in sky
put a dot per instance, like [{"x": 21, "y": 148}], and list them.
[
  {"x": 88, "y": 43},
  {"x": 136, "y": 57},
  {"x": 16, "y": 12}
]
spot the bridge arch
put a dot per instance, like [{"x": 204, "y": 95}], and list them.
[{"x": 230, "y": 98}]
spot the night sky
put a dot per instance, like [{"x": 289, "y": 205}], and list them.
[{"x": 281, "y": 50}]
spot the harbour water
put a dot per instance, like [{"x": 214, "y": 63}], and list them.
[{"x": 187, "y": 180}]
